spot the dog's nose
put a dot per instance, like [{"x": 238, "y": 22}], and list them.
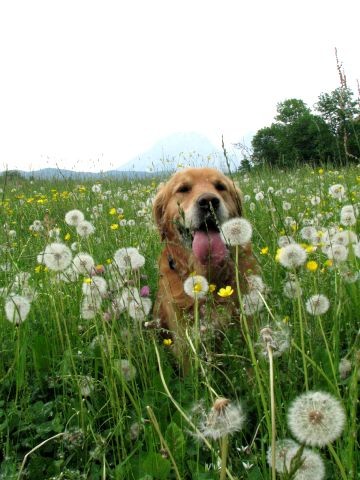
[{"x": 208, "y": 201}]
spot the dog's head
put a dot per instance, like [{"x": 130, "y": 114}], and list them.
[{"x": 191, "y": 207}]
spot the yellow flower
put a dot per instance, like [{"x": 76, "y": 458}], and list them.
[
  {"x": 264, "y": 251},
  {"x": 321, "y": 171},
  {"x": 225, "y": 292},
  {"x": 38, "y": 268},
  {"x": 112, "y": 211},
  {"x": 114, "y": 226},
  {"x": 277, "y": 256},
  {"x": 167, "y": 342},
  {"x": 88, "y": 280},
  {"x": 67, "y": 236},
  {"x": 328, "y": 263},
  {"x": 197, "y": 287},
  {"x": 212, "y": 287},
  {"x": 312, "y": 266},
  {"x": 108, "y": 261}
]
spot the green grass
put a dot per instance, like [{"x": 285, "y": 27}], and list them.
[{"x": 69, "y": 410}]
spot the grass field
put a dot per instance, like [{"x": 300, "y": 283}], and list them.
[{"x": 89, "y": 391}]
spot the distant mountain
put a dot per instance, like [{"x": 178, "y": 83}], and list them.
[
  {"x": 61, "y": 174},
  {"x": 186, "y": 148}
]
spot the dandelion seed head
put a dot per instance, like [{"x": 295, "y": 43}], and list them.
[
  {"x": 316, "y": 418},
  {"x": 129, "y": 259},
  {"x": 317, "y": 304},
  {"x": 282, "y": 457},
  {"x": 236, "y": 231},
  {"x": 196, "y": 286},
  {"x": 83, "y": 263},
  {"x": 57, "y": 256},
  {"x": 17, "y": 308},
  {"x": 74, "y": 217},
  {"x": 292, "y": 256},
  {"x": 85, "y": 228}
]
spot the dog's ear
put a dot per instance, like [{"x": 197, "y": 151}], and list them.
[
  {"x": 237, "y": 196},
  {"x": 158, "y": 210}
]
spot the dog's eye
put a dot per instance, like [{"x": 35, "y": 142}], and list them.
[
  {"x": 220, "y": 186},
  {"x": 183, "y": 189}
]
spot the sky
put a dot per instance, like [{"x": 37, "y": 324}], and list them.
[{"x": 89, "y": 85}]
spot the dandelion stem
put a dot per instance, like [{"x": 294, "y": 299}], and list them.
[
  {"x": 224, "y": 455},
  {"x": 302, "y": 339},
  {"x": 329, "y": 355},
  {"x": 272, "y": 409}
]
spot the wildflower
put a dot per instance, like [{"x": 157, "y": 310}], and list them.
[
  {"x": 277, "y": 337},
  {"x": 255, "y": 282},
  {"x": 196, "y": 286},
  {"x": 316, "y": 418},
  {"x": 224, "y": 418},
  {"x": 292, "y": 255},
  {"x": 212, "y": 287},
  {"x": 292, "y": 289},
  {"x": 356, "y": 249},
  {"x": 317, "y": 304},
  {"x": 85, "y": 228},
  {"x": 252, "y": 302},
  {"x": 312, "y": 266},
  {"x": 167, "y": 342},
  {"x": 114, "y": 226},
  {"x": 67, "y": 237},
  {"x": 236, "y": 231},
  {"x": 264, "y": 251},
  {"x": 345, "y": 368},
  {"x": 74, "y": 217},
  {"x": 127, "y": 295},
  {"x": 259, "y": 196},
  {"x": 96, "y": 286},
  {"x": 86, "y": 385},
  {"x": 344, "y": 238},
  {"x": 349, "y": 276},
  {"x": 126, "y": 368},
  {"x": 337, "y": 191},
  {"x": 139, "y": 310},
  {"x": 83, "y": 263},
  {"x": 90, "y": 307},
  {"x": 285, "y": 240},
  {"x": 307, "y": 233},
  {"x": 282, "y": 458},
  {"x": 96, "y": 188},
  {"x": 129, "y": 259},
  {"x": 226, "y": 292},
  {"x": 57, "y": 256},
  {"x": 17, "y": 308},
  {"x": 145, "y": 291},
  {"x": 315, "y": 200},
  {"x": 286, "y": 206},
  {"x": 112, "y": 211},
  {"x": 337, "y": 253}
]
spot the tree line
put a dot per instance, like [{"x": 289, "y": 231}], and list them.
[{"x": 299, "y": 135}]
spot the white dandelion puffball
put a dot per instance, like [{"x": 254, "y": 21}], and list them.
[
  {"x": 17, "y": 308},
  {"x": 224, "y": 418},
  {"x": 236, "y": 231},
  {"x": 85, "y": 228},
  {"x": 196, "y": 286},
  {"x": 307, "y": 233},
  {"x": 129, "y": 259},
  {"x": 139, "y": 310},
  {"x": 292, "y": 289},
  {"x": 94, "y": 286},
  {"x": 316, "y": 418},
  {"x": 282, "y": 457},
  {"x": 57, "y": 256},
  {"x": 252, "y": 302},
  {"x": 83, "y": 263},
  {"x": 317, "y": 304},
  {"x": 96, "y": 188},
  {"x": 74, "y": 217},
  {"x": 126, "y": 368},
  {"x": 337, "y": 191},
  {"x": 284, "y": 240},
  {"x": 259, "y": 196},
  {"x": 127, "y": 295},
  {"x": 338, "y": 253},
  {"x": 356, "y": 249},
  {"x": 86, "y": 385},
  {"x": 255, "y": 282},
  {"x": 292, "y": 256},
  {"x": 90, "y": 306}
]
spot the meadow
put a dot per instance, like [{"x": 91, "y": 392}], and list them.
[{"x": 89, "y": 387}]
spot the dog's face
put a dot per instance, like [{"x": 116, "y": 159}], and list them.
[{"x": 193, "y": 204}]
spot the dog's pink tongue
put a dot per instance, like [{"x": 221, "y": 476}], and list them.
[{"x": 208, "y": 246}]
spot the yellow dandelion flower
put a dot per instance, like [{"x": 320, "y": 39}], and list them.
[
  {"x": 38, "y": 268},
  {"x": 212, "y": 287},
  {"x": 108, "y": 261},
  {"x": 67, "y": 236},
  {"x": 114, "y": 226},
  {"x": 312, "y": 266},
  {"x": 88, "y": 280},
  {"x": 328, "y": 263},
  {"x": 167, "y": 342},
  {"x": 112, "y": 211},
  {"x": 277, "y": 255},
  {"x": 320, "y": 171},
  {"x": 264, "y": 251},
  {"x": 225, "y": 292}
]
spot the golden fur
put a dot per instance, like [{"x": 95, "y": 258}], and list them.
[{"x": 176, "y": 213}]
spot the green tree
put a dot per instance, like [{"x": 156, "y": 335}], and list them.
[{"x": 291, "y": 110}]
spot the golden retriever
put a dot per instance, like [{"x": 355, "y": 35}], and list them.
[{"x": 188, "y": 210}]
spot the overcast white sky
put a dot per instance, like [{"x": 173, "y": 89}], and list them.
[{"x": 83, "y": 80}]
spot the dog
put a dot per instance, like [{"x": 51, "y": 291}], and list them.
[{"x": 188, "y": 211}]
